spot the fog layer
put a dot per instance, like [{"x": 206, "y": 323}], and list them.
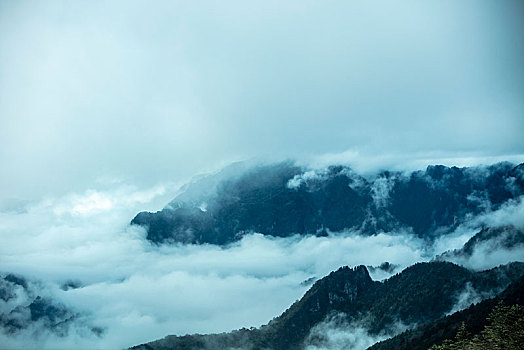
[{"x": 138, "y": 292}]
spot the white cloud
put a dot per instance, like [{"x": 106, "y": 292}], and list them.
[
  {"x": 159, "y": 92},
  {"x": 335, "y": 333},
  {"x": 510, "y": 213},
  {"x": 304, "y": 178},
  {"x": 465, "y": 298},
  {"x": 126, "y": 91},
  {"x": 488, "y": 253},
  {"x": 380, "y": 190},
  {"x": 139, "y": 292},
  {"x": 485, "y": 256}
]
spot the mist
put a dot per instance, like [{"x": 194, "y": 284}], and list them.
[
  {"x": 138, "y": 292},
  {"x": 152, "y": 93},
  {"x": 335, "y": 332},
  {"x": 108, "y": 109}
]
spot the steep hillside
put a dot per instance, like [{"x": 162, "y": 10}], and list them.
[
  {"x": 421, "y": 293},
  {"x": 475, "y": 317},
  {"x": 283, "y": 199}
]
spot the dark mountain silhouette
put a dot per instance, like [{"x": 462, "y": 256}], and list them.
[
  {"x": 475, "y": 318},
  {"x": 420, "y": 294},
  {"x": 283, "y": 200},
  {"x": 489, "y": 239}
]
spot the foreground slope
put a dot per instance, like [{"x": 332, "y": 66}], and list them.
[
  {"x": 475, "y": 318},
  {"x": 421, "y": 293}
]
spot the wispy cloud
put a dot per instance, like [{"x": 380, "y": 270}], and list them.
[
  {"x": 139, "y": 292},
  {"x": 335, "y": 333},
  {"x": 154, "y": 93}
]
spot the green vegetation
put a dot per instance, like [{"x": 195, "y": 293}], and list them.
[
  {"x": 505, "y": 330},
  {"x": 421, "y": 294},
  {"x": 476, "y": 318}
]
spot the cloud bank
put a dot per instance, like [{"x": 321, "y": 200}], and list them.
[
  {"x": 97, "y": 95},
  {"x": 335, "y": 333},
  {"x": 137, "y": 292}
]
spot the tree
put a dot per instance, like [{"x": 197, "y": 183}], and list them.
[
  {"x": 461, "y": 341},
  {"x": 505, "y": 331}
]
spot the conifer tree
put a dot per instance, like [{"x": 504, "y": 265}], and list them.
[{"x": 505, "y": 331}]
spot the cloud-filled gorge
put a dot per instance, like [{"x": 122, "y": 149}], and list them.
[{"x": 80, "y": 251}]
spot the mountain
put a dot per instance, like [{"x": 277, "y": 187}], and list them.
[
  {"x": 475, "y": 318},
  {"x": 488, "y": 240},
  {"x": 419, "y": 294},
  {"x": 23, "y": 310},
  {"x": 283, "y": 199}
]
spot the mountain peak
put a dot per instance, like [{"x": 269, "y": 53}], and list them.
[{"x": 283, "y": 200}]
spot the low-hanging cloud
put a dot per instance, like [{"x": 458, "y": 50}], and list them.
[
  {"x": 467, "y": 297},
  {"x": 335, "y": 332},
  {"x": 138, "y": 292},
  {"x": 94, "y": 92},
  {"x": 488, "y": 254},
  {"x": 492, "y": 252}
]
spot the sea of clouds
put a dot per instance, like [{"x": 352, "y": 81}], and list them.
[{"x": 138, "y": 292}]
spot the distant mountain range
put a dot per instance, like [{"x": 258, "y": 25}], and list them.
[
  {"x": 284, "y": 199},
  {"x": 421, "y": 294}
]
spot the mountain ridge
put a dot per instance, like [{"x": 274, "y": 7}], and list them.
[
  {"x": 476, "y": 317},
  {"x": 283, "y": 199},
  {"x": 434, "y": 287}
]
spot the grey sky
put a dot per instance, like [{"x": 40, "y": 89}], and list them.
[{"x": 157, "y": 91}]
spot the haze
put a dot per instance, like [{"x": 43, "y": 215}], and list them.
[
  {"x": 94, "y": 93},
  {"x": 108, "y": 108}
]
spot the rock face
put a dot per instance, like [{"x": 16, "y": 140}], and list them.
[
  {"x": 283, "y": 199},
  {"x": 420, "y": 294}
]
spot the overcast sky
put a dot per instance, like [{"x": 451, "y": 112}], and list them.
[{"x": 148, "y": 92}]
